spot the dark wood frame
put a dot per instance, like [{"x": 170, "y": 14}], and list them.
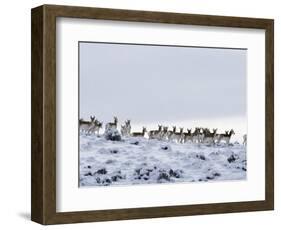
[{"x": 43, "y": 160}]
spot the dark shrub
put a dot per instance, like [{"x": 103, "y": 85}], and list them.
[
  {"x": 135, "y": 143},
  {"x": 101, "y": 171},
  {"x": 88, "y": 174},
  {"x": 175, "y": 173},
  {"x": 164, "y": 176},
  {"x": 114, "y": 151},
  {"x": 216, "y": 174},
  {"x": 201, "y": 157},
  {"x": 231, "y": 159},
  {"x": 112, "y": 135}
]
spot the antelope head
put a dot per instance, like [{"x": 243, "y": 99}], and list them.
[
  {"x": 92, "y": 118},
  {"x": 206, "y": 131},
  {"x": 174, "y": 129},
  {"x": 144, "y": 130},
  {"x": 196, "y": 131},
  {"x": 189, "y": 131}
]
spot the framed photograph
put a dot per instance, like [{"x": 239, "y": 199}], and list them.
[{"x": 139, "y": 114}]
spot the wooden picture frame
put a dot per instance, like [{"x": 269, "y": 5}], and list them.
[{"x": 43, "y": 189}]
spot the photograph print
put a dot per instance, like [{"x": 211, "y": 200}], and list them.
[{"x": 154, "y": 114}]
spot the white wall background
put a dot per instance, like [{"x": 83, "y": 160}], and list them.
[{"x": 15, "y": 106}]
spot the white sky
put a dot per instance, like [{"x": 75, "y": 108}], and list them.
[{"x": 155, "y": 84}]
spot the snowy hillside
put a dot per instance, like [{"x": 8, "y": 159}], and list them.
[{"x": 141, "y": 161}]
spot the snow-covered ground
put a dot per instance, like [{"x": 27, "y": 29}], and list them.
[{"x": 142, "y": 161}]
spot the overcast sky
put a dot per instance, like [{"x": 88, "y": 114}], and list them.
[{"x": 149, "y": 83}]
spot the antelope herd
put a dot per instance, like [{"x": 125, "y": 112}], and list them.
[{"x": 199, "y": 135}]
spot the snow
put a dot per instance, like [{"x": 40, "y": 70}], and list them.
[{"x": 141, "y": 161}]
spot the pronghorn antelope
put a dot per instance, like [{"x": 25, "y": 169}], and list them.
[
  {"x": 245, "y": 139},
  {"x": 95, "y": 128},
  {"x": 155, "y": 134},
  {"x": 177, "y": 136},
  {"x": 84, "y": 126},
  {"x": 196, "y": 135},
  {"x": 112, "y": 125},
  {"x": 123, "y": 130},
  {"x": 81, "y": 120},
  {"x": 201, "y": 135},
  {"x": 226, "y": 136},
  {"x": 208, "y": 136},
  {"x": 187, "y": 136},
  {"x": 126, "y": 128},
  {"x": 218, "y": 136},
  {"x": 170, "y": 133},
  {"x": 139, "y": 134},
  {"x": 164, "y": 134}
]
